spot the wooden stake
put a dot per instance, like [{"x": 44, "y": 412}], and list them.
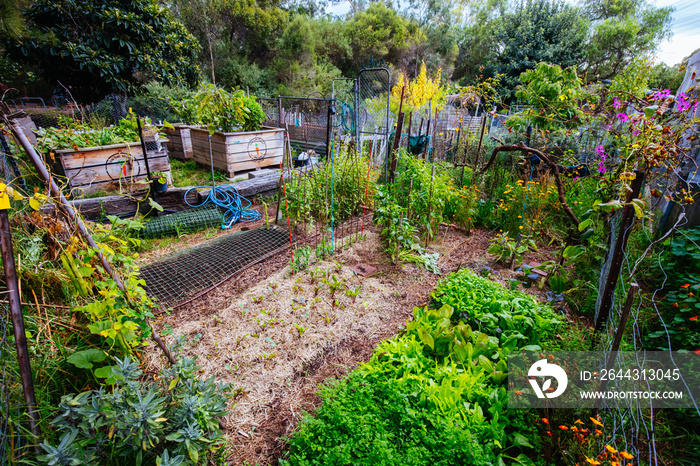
[{"x": 25, "y": 369}]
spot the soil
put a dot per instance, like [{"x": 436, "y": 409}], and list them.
[{"x": 275, "y": 338}]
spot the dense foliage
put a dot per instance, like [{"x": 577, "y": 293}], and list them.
[{"x": 107, "y": 46}]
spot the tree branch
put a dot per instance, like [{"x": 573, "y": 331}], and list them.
[{"x": 555, "y": 169}]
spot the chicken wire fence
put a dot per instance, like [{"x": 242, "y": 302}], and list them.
[
  {"x": 304, "y": 118},
  {"x": 630, "y": 422},
  {"x": 187, "y": 274}
]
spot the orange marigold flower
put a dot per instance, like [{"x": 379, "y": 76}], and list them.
[
  {"x": 694, "y": 319},
  {"x": 562, "y": 427},
  {"x": 614, "y": 463},
  {"x": 697, "y": 351},
  {"x": 595, "y": 421},
  {"x": 600, "y": 432},
  {"x": 591, "y": 461},
  {"x": 686, "y": 285},
  {"x": 545, "y": 420},
  {"x": 674, "y": 305},
  {"x": 578, "y": 421},
  {"x": 610, "y": 449},
  {"x": 626, "y": 455},
  {"x": 517, "y": 392}
]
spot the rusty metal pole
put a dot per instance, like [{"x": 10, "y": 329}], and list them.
[{"x": 8, "y": 261}]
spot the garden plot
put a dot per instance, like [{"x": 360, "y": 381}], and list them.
[
  {"x": 278, "y": 339},
  {"x": 278, "y": 371}
]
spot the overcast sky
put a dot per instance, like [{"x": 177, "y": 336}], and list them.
[
  {"x": 685, "y": 27},
  {"x": 686, "y": 31}
]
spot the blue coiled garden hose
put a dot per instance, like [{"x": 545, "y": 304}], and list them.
[
  {"x": 235, "y": 207},
  {"x": 226, "y": 197}
]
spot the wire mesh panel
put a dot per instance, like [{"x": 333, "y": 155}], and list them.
[
  {"x": 372, "y": 113},
  {"x": 187, "y": 274}
]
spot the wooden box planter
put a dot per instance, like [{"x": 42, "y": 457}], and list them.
[
  {"x": 109, "y": 168},
  {"x": 235, "y": 152},
  {"x": 179, "y": 141}
]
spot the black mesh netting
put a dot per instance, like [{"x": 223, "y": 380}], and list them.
[
  {"x": 187, "y": 221},
  {"x": 187, "y": 274}
]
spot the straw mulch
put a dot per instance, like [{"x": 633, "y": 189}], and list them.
[{"x": 271, "y": 334}]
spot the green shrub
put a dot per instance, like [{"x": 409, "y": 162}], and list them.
[
  {"x": 141, "y": 422},
  {"x": 347, "y": 183},
  {"x": 220, "y": 110},
  {"x": 156, "y": 101}
]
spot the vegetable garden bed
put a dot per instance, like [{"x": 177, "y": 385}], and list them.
[
  {"x": 266, "y": 333},
  {"x": 109, "y": 168},
  {"x": 238, "y": 151}
]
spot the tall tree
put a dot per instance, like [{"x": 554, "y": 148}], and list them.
[
  {"x": 620, "y": 31},
  {"x": 108, "y": 45},
  {"x": 380, "y": 33},
  {"x": 538, "y": 31},
  {"x": 11, "y": 17}
]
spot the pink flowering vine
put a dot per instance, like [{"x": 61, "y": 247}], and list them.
[
  {"x": 658, "y": 95},
  {"x": 600, "y": 152},
  {"x": 683, "y": 102}
]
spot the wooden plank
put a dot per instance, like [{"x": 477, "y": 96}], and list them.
[
  {"x": 252, "y": 187},
  {"x": 98, "y": 156},
  {"x": 115, "y": 172},
  {"x": 102, "y": 168},
  {"x": 96, "y": 208}
]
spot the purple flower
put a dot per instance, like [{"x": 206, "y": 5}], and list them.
[
  {"x": 622, "y": 117},
  {"x": 683, "y": 102},
  {"x": 600, "y": 152},
  {"x": 616, "y": 103},
  {"x": 608, "y": 126},
  {"x": 575, "y": 179},
  {"x": 661, "y": 94},
  {"x": 636, "y": 132}
]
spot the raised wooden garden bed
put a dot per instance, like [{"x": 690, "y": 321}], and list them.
[
  {"x": 109, "y": 168},
  {"x": 179, "y": 141},
  {"x": 236, "y": 152}
]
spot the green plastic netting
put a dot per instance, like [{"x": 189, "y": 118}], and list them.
[{"x": 187, "y": 221}]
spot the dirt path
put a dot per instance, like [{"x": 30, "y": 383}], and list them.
[{"x": 276, "y": 336}]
